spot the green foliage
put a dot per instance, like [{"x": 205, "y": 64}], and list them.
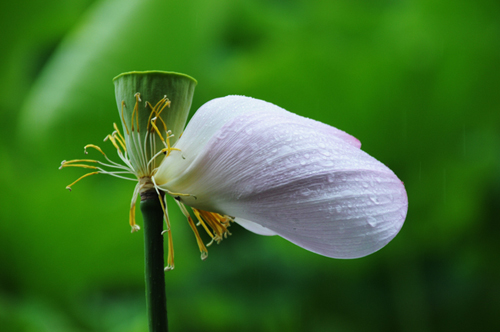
[{"x": 416, "y": 81}]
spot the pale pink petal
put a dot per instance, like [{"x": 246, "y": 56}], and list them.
[{"x": 301, "y": 179}]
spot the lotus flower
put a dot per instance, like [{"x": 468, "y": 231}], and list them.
[
  {"x": 277, "y": 173},
  {"x": 248, "y": 161}
]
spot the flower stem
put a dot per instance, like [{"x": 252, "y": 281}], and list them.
[{"x": 156, "y": 299}]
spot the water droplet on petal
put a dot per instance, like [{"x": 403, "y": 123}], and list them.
[
  {"x": 330, "y": 178},
  {"x": 306, "y": 192},
  {"x": 325, "y": 162},
  {"x": 372, "y": 221}
]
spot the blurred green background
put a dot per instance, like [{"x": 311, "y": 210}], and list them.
[{"x": 416, "y": 81}]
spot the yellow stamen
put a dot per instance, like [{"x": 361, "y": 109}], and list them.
[
  {"x": 217, "y": 223},
  {"x": 113, "y": 141},
  {"x": 131, "y": 218},
  {"x": 164, "y": 102},
  {"x": 118, "y": 136},
  {"x": 163, "y": 122},
  {"x": 200, "y": 220},
  {"x": 79, "y": 162},
  {"x": 168, "y": 145},
  {"x": 123, "y": 119},
  {"x": 170, "y": 256},
  {"x": 150, "y": 114},
  {"x": 167, "y": 103},
  {"x": 94, "y": 147},
  {"x": 177, "y": 194},
  {"x": 81, "y": 177},
  {"x": 168, "y": 149},
  {"x": 199, "y": 241},
  {"x": 156, "y": 129},
  {"x": 135, "y": 111},
  {"x": 69, "y": 164},
  {"x": 132, "y": 223},
  {"x": 65, "y": 163}
]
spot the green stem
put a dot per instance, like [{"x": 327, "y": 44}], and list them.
[{"x": 156, "y": 299}]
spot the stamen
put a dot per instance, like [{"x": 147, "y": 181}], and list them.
[
  {"x": 121, "y": 140},
  {"x": 113, "y": 141},
  {"x": 217, "y": 223},
  {"x": 70, "y": 163},
  {"x": 123, "y": 118},
  {"x": 199, "y": 241},
  {"x": 164, "y": 150},
  {"x": 164, "y": 102},
  {"x": 167, "y": 103},
  {"x": 156, "y": 129},
  {"x": 135, "y": 111},
  {"x": 81, "y": 177},
  {"x": 170, "y": 256},
  {"x": 128, "y": 166},
  {"x": 138, "y": 154},
  {"x": 200, "y": 222},
  {"x": 178, "y": 194},
  {"x": 150, "y": 114},
  {"x": 94, "y": 147},
  {"x": 132, "y": 223}
]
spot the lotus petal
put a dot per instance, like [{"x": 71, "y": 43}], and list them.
[{"x": 280, "y": 173}]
